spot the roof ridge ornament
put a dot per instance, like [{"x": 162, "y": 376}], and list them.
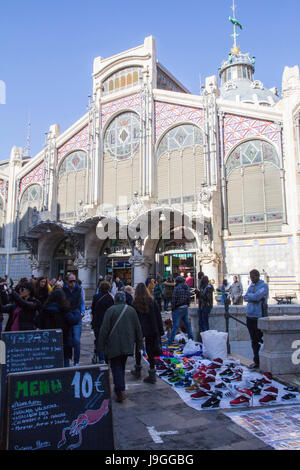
[{"x": 235, "y": 49}]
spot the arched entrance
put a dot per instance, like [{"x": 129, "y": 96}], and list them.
[
  {"x": 63, "y": 259},
  {"x": 114, "y": 260},
  {"x": 178, "y": 254}
]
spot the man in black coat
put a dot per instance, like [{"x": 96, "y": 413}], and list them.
[{"x": 73, "y": 294}]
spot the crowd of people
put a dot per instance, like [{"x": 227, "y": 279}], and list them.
[{"x": 123, "y": 321}]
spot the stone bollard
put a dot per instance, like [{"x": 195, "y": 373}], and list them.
[
  {"x": 194, "y": 319},
  {"x": 281, "y": 350}
]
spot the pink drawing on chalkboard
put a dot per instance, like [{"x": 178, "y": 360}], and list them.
[{"x": 88, "y": 418}]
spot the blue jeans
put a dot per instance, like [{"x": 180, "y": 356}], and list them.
[
  {"x": 177, "y": 315},
  {"x": 203, "y": 314},
  {"x": 117, "y": 365},
  {"x": 76, "y": 340},
  {"x": 167, "y": 304}
]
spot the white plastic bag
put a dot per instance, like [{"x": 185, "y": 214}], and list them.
[
  {"x": 87, "y": 316},
  {"x": 191, "y": 347},
  {"x": 180, "y": 337},
  {"x": 214, "y": 344}
]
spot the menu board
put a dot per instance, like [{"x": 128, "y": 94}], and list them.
[
  {"x": 60, "y": 409},
  {"x": 33, "y": 350}
]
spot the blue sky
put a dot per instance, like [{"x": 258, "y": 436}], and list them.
[{"x": 47, "y": 50}]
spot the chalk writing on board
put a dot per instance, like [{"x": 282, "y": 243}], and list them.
[
  {"x": 60, "y": 409},
  {"x": 31, "y": 350}
]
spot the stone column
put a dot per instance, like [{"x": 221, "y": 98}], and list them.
[
  {"x": 281, "y": 351},
  {"x": 86, "y": 273},
  {"x": 140, "y": 264},
  {"x": 210, "y": 265}
]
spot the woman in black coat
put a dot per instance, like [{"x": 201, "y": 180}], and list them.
[
  {"x": 22, "y": 309},
  {"x": 101, "y": 302},
  {"x": 152, "y": 327},
  {"x": 57, "y": 314}
]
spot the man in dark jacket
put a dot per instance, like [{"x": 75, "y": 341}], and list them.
[
  {"x": 180, "y": 304},
  {"x": 117, "y": 338},
  {"x": 73, "y": 295}
]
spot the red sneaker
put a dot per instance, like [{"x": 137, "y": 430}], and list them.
[
  {"x": 246, "y": 392},
  {"x": 204, "y": 387},
  {"x": 272, "y": 390},
  {"x": 268, "y": 376},
  {"x": 208, "y": 379},
  {"x": 199, "y": 395},
  {"x": 218, "y": 361},
  {"x": 267, "y": 399},
  {"x": 240, "y": 401}
]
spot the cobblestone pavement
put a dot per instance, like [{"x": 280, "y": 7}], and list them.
[{"x": 153, "y": 409}]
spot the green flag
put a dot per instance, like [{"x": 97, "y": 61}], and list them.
[{"x": 235, "y": 22}]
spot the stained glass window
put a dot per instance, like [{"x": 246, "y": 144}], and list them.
[
  {"x": 250, "y": 153},
  {"x": 124, "y": 78},
  {"x": 74, "y": 162},
  {"x": 122, "y": 137},
  {"x": 31, "y": 194},
  {"x": 179, "y": 138}
]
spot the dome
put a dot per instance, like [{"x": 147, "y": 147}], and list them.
[{"x": 238, "y": 83}]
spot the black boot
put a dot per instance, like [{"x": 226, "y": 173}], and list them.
[
  {"x": 151, "y": 379},
  {"x": 136, "y": 372}
]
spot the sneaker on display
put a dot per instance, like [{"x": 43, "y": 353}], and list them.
[
  {"x": 272, "y": 390},
  {"x": 227, "y": 372},
  {"x": 220, "y": 385},
  {"x": 199, "y": 395},
  {"x": 291, "y": 388},
  {"x": 289, "y": 396},
  {"x": 267, "y": 399},
  {"x": 240, "y": 401},
  {"x": 212, "y": 402}
]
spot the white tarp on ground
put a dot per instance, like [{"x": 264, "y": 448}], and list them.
[{"x": 232, "y": 392}]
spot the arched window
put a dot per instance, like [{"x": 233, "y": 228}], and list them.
[
  {"x": 121, "y": 159},
  {"x": 124, "y": 78},
  {"x": 254, "y": 191},
  {"x": 71, "y": 184},
  {"x": 122, "y": 137},
  {"x": 180, "y": 165},
  {"x": 30, "y": 204}
]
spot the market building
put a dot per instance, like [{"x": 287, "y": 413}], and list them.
[{"x": 220, "y": 171}]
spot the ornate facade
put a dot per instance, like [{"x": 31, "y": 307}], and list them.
[{"x": 224, "y": 165}]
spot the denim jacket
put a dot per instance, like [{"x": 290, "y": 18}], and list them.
[{"x": 255, "y": 294}]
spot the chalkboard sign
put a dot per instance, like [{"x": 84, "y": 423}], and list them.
[
  {"x": 2, "y": 383},
  {"x": 33, "y": 350},
  {"x": 60, "y": 409}
]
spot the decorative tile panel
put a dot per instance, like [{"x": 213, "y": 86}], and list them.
[
  {"x": 167, "y": 115},
  {"x": 132, "y": 102},
  {"x": 78, "y": 141},
  {"x": 2, "y": 188},
  {"x": 237, "y": 128},
  {"x": 35, "y": 176}
]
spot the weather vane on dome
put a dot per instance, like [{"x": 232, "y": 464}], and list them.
[{"x": 235, "y": 49}]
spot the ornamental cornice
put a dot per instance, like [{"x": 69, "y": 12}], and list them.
[{"x": 249, "y": 111}]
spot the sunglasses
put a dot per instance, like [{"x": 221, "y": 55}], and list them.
[{"x": 71, "y": 282}]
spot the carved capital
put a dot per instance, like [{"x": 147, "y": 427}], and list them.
[{"x": 208, "y": 258}]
